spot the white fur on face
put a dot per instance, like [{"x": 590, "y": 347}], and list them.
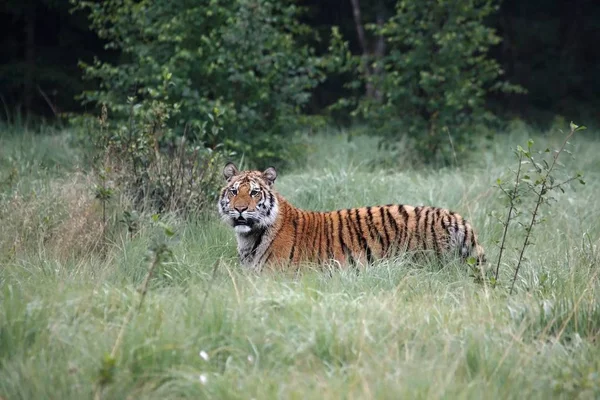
[{"x": 242, "y": 229}]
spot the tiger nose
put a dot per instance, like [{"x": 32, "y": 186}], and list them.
[{"x": 241, "y": 209}]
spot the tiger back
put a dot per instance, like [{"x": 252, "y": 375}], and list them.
[{"x": 270, "y": 230}]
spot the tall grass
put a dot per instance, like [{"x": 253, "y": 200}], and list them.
[{"x": 395, "y": 330}]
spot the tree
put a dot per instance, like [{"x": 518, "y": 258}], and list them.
[
  {"x": 437, "y": 74},
  {"x": 241, "y": 57}
]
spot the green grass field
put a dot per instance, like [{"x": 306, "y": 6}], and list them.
[{"x": 397, "y": 329}]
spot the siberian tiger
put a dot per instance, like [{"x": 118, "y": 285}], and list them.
[{"x": 270, "y": 230}]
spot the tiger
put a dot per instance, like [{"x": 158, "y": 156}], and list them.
[{"x": 271, "y": 231}]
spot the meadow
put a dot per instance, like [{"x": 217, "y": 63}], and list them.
[{"x": 208, "y": 329}]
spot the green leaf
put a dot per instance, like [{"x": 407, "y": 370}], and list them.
[
  {"x": 572, "y": 126},
  {"x": 106, "y": 374},
  {"x": 168, "y": 230}
]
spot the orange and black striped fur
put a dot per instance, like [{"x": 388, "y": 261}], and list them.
[{"x": 270, "y": 230}]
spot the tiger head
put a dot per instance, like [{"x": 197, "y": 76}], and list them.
[{"x": 248, "y": 202}]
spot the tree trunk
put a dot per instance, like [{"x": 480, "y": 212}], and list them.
[
  {"x": 362, "y": 40},
  {"x": 28, "y": 84},
  {"x": 379, "y": 49}
]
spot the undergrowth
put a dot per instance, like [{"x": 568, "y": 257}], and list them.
[{"x": 208, "y": 329}]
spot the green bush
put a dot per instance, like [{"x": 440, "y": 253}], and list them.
[
  {"x": 242, "y": 57},
  {"x": 434, "y": 76},
  {"x": 179, "y": 177}
]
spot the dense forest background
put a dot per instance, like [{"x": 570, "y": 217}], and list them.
[
  {"x": 245, "y": 76},
  {"x": 548, "y": 47}
]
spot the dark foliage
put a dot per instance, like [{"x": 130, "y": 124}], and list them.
[{"x": 548, "y": 47}]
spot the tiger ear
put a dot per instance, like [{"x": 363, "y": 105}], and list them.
[
  {"x": 270, "y": 175},
  {"x": 229, "y": 171}
]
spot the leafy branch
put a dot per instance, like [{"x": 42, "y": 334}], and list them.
[
  {"x": 512, "y": 196},
  {"x": 546, "y": 184},
  {"x": 541, "y": 186}
]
